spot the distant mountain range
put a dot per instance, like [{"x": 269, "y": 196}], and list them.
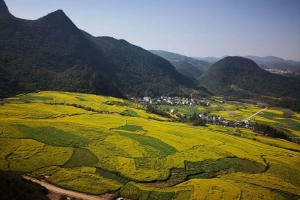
[
  {"x": 261, "y": 60},
  {"x": 243, "y": 78},
  {"x": 193, "y": 67},
  {"x": 267, "y": 62},
  {"x": 272, "y": 62},
  {"x": 186, "y": 65},
  {"x": 51, "y": 53},
  {"x": 237, "y": 77}
]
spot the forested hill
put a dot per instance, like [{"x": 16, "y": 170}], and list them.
[
  {"x": 239, "y": 76},
  {"x": 51, "y": 53},
  {"x": 138, "y": 71}
]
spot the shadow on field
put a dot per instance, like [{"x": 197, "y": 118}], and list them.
[{"x": 209, "y": 169}]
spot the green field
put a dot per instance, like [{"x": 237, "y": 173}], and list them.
[{"x": 96, "y": 144}]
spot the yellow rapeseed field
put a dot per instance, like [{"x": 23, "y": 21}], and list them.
[{"x": 95, "y": 144}]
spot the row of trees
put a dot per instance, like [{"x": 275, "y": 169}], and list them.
[
  {"x": 157, "y": 111},
  {"x": 195, "y": 119},
  {"x": 269, "y": 131},
  {"x": 293, "y": 104}
]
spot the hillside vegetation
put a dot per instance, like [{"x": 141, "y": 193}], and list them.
[
  {"x": 138, "y": 71},
  {"x": 51, "y": 53},
  {"x": 95, "y": 144}
]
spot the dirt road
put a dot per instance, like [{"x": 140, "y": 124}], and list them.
[
  {"x": 255, "y": 114},
  {"x": 65, "y": 192}
]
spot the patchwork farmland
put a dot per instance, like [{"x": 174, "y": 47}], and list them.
[{"x": 96, "y": 144}]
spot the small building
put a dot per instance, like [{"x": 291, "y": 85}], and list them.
[
  {"x": 147, "y": 99},
  {"x": 173, "y": 111}
]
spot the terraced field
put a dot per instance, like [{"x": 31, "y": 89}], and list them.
[{"x": 95, "y": 144}]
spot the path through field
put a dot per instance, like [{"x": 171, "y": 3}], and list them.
[
  {"x": 65, "y": 192},
  {"x": 255, "y": 114}
]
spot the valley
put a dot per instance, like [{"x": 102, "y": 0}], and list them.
[{"x": 86, "y": 117}]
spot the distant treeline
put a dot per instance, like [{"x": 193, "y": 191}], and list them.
[{"x": 293, "y": 104}]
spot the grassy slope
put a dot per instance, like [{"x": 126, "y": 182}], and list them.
[{"x": 119, "y": 149}]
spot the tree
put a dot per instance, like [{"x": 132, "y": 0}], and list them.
[
  {"x": 270, "y": 131},
  {"x": 199, "y": 122},
  {"x": 262, "y": 105},
  {"x": 238, "y": 132},
  {"x": 287, "y": 113}
]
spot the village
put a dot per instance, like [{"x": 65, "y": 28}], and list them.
[
  {"x": 279, "y": 71},
  {"x": 220, "y": 121},
  {"x": 205, "y": 117},
  {"x": 165, "y": 100},
  {"x": 200, "y": 119}
]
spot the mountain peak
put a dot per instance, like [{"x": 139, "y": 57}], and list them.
[
  {"x": 236, "y": 63},
  {"x": 59, "y": 12},
  {"x": 56, "y": 14},
  {"x": 3, "y": 8},
  {"x": 59, "y": 20}
]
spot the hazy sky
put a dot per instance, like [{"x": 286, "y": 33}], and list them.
[{"x": 189, "y": 27}]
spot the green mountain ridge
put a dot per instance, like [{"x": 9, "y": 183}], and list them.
[
  {"x": 137, "y": 66},
  {"x": 51, "y": 53},
  {"x": 242, "y": 77}
]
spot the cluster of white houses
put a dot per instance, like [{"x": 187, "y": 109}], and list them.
[
  {"x": 280, "y": 71},
  {"x": 165, "y": 100},
  {"x": 218, "y": 120}
]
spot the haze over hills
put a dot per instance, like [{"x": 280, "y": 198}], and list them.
[
  {"x": 272, "y": 62},
  {"x": 242, "y": 77},
  {"x": 189, "y": 68},
  {"x": 261, "y": 60},
  {"x": 267, "y": 62},
  {"x": 210, "y": 59},
  {"x": 51, "y": 53},
  {"x": 190, "y": 64}
]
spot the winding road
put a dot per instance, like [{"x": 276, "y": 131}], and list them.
[{"x": 65, "y": 192}]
